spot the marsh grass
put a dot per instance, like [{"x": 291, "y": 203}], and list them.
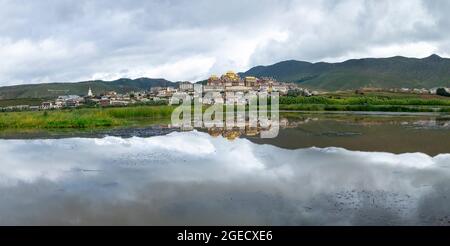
[
  {"x": 140, "y": 112},
  {"x": 383, "y": 103},
  {"x": 379, "y": 108},
  {"x": 82, "y": 118},
  {"x": 369, "y": 100}
]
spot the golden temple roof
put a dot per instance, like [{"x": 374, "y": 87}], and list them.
[{"x": 231, "y": 75}]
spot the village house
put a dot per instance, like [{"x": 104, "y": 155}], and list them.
[
  {"x": 119, "y": 103},
  {"x": 104, "y": 101},
  {"x": 251, "y": 81},
  {"x": 280, "y": 88},
  {"x": 34, "y": 108},
  {"x": 69, "y": 101},
  {"x": 186, "y": 87},
  {"x": 47, "y": 105}
]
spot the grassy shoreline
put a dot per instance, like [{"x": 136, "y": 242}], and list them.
[
  {"x": 376, "y": 102},
  {"x": 367, "y": 108},
  {"x": 82, "y": 118}
]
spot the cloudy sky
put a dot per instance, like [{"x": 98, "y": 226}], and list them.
[{"x": 64, "y": 40}]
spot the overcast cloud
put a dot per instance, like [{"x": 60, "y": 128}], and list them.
[{"x": 64, "y": 40}]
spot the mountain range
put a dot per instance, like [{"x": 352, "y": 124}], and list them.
[
  {"x": 51, "y": 90},
  {"x": 393, "y": 72}
]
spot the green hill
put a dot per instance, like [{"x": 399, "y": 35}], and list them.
[
  {"x": 51, "y": 90},
  {"x": 394, "y": 72}
]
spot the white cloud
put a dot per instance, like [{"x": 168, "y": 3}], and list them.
[
  {"x": 75, "y": 40},
  {"x": 38, "y": 59},
  {"x": 192, "y": 68}
]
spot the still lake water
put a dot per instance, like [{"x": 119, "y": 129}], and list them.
[{"x": 322, "y": 169}]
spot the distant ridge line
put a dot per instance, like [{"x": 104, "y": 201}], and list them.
[{"x": 392, "y": 72}]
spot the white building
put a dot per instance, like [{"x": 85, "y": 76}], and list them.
[
  {"x": 212, "y": 98},
  {"x": 213, "y": 88},
  {"x": 69, "y": 101},
  {"x": 47, "y": 105},
  {"x": 186, "y": 86},
  {"x": 280, "y": 88}
]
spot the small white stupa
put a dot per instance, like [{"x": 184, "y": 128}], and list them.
[{"x": 90, "y": 94}]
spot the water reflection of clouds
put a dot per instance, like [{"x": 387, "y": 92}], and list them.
[{"x": 192, "y": 178}]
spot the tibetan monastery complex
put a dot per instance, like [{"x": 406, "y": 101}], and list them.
[{"x": 231, "y": 81}]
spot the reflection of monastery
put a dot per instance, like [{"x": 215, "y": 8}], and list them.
[
  {"x": 232, "y": 133},
  {"x": 235, "y": 132}
]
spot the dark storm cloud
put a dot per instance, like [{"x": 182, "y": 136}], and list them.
[{"x": 187, "y": 40}]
